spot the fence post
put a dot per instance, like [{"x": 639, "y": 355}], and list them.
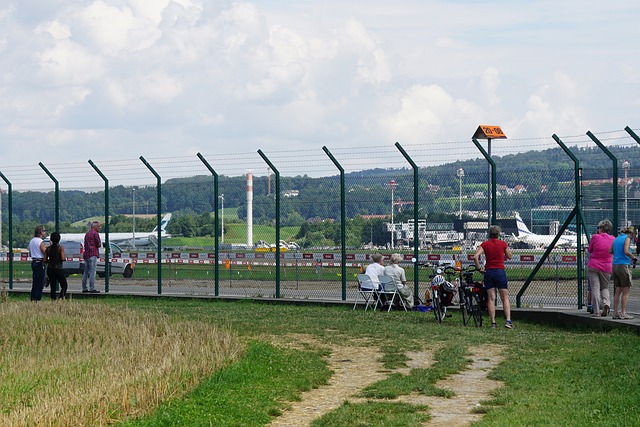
[
  {"x": 277, "y": 173},
  {"x": 343, "y": 227},
  {"x": 216, "y": 269},
  {"x": 159, "y": 220},
  {"x": 492, "y": 165},
  {"x": 107, "y": 247},
  {"x": 56, "y": 196},
  {"x": 10, "y": 211},
  {"x": 416, "y": 241},
  {"x": 577, "y": 213},
  {"x": 633, "y": 134},
  {"x": 615, "y": 176}
]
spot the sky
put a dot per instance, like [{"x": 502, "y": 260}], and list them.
[{"x": 119, "y": 79}]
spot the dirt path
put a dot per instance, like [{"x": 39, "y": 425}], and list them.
[
  {"x": 358, "y": 366},
  {"x": 471, "y": 386}
]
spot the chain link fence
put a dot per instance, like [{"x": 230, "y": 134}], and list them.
[{"x": 303, "y": 224}]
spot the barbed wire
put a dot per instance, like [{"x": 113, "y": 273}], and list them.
[{"x": 311, "y": 161}]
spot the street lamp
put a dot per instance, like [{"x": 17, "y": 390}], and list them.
[
  {"x": 625, "y": 167},
  {"x": 221, "y": 197},
  {"x": 460, "y": 174},
  {"x": 392, "y": 183}
]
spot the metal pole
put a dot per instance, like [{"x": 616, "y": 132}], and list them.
[
  {"x": 216, "y": 268},
  {"x": 578, "y": 209},
  {"x": 277, "y": 174},
  {"x": 343, "y": 227},
  {"x": 633, "y": 134},
  {"x": 222, "y": 223},
  {"x": 625, "y": 167},
  {"x": 614, "y": 162},
  {"x": 492, "y": 165},
  {"x": 133, "y": 209},
  {"x": 10, "y": 212},
  {"x": 490, "y": 187},
  {"x": 107, "y": 245},
  {"x": 460, "y": 173},
  {"x": 56, "y": 196},
  {"x": 392, "y": 183},
  {"x": 416, "y": 242},
  {"x": 159, "y": 220}
]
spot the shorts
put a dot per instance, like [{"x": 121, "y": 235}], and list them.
[
  {"x": 495, "y": 278},
  {"x": 621, "y": 275}
]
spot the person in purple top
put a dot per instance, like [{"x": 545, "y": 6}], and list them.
[
  {"x": 599, "y": 267},
  {"x": 92, "y": 245}
]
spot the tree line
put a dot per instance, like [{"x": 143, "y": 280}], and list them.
[{"x": 544, "y": 178}]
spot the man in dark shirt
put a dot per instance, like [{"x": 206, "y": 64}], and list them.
[{"x": 92, "y": 245}]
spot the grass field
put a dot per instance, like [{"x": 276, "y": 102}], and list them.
[{"x": 63, "y": 351}]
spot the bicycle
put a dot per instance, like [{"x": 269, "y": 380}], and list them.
[
  {"x": 472, "y": 296},
  {"x": 442, "y": 292}
]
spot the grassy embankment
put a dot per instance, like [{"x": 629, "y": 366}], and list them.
[{"x": 92, "y": 362}]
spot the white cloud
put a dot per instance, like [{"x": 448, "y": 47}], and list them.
[
  {"x": 556, "y": 107},
  {"x": 426, "y": 114},
  {"x": 115, "y": 29},
  {"x": 126, "y": 72},
  {"x": 68, "y": 63},
  {"x": 55, "y": 29},
  {"x": 490, "y": 84}
]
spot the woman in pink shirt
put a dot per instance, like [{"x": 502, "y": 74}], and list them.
[{"x": 599, "y": 267}]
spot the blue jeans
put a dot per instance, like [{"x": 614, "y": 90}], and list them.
[
  {"x": 37, "y": 280},
  {"x": 90, "y": 265}
]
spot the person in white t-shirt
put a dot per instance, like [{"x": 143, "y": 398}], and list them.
[
  {"x": 36, "y": 251},
  {"x": 375, "y": 269}
]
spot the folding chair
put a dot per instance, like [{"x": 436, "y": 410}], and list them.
[
  {"x": 366, "y": 289},
  {"x": 389, "y": 288}
]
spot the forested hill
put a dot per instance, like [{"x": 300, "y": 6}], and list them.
[{"x": 316, "y": 196}]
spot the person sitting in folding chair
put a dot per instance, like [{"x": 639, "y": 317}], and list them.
[
  {"x": 375, "y": 269},
  {"x": 397, "y": 273}
]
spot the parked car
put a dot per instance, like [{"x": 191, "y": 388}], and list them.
[{"x": 73, "y": 249}]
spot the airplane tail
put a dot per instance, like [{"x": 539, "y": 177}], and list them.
[
  {"x": 522, "y": 227},
  {"x": 163, "y": 224}
]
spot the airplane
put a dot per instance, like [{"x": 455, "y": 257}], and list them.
[
  {"x": 544, "y": 240},
  {"x": 127, "y": 239}
]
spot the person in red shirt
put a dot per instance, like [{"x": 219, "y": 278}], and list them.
[
  {"x": 495, "y": 252},
  {"x": 92, "y": 245}
]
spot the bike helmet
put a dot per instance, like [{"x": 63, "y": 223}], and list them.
[
  {"x": 448, "y": 286},
  {"x": 437, "y": 280}
]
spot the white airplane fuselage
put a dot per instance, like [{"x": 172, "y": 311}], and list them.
[
  {"x": 143, "y": 238},
  {"x": 533, "y": 239}
]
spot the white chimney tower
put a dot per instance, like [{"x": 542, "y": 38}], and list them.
[{"x": 249, "y": 208}]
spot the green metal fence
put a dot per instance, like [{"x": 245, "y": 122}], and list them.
[{"x": 303, "y": 224}]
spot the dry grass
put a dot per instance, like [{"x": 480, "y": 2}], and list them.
[{"x": 66, "y": 363}]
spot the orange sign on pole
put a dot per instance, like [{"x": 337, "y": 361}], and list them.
[{"x": 489, "y": 132}]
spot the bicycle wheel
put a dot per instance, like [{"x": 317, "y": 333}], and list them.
[
  {"x": 476, "y": 310},
  {"x": 465, "y": 307},
  {"x": 438, "y": 309}
]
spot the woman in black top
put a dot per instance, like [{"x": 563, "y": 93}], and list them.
[{"x": 54, "y": 257}]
